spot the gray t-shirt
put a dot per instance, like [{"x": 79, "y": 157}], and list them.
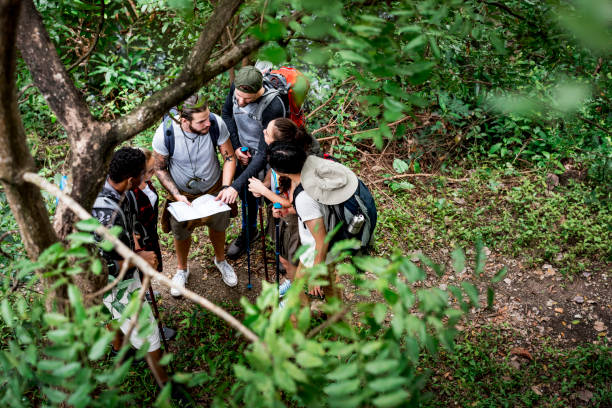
[{"x": 194, "y": 156}]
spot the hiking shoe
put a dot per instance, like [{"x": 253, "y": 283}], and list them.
[
  {"x": 180, "y": 278},
  {"x": 227, "y": 273},
  {"x": 148, "y": 296},
  {"x": 284, "y": 287},
  {"x": 238, "y": 247},
  {"x": 169, "y": 333}
]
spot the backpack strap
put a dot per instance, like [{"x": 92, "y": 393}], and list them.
[
  {"x": 298, "y": 189},
  {"x": 214, "y": 130},
  {"x": 106, "y": 203},
  {"x": 266, "y": 100},
  {"x": 169, "y": 130}
]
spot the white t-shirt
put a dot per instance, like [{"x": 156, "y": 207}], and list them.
[
  {"x": 194, "y": 156},
  {"x": 308, "y": 209},
  {"x": 151, "y": 194}
]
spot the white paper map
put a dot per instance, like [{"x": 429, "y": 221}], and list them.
[{"x": 203, "y": 206}]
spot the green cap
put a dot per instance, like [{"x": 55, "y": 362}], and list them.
[{"x": 248, "y": 79}]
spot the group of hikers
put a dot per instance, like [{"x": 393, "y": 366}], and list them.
[{"x": 268, "y": 158}]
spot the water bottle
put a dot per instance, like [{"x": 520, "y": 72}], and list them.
[{"x": 356, "y": 224}]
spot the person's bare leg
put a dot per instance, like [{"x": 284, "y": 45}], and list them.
[
  {"x": 218, "y": 242},
  {"x": 158, "y": 371},
  {"x": 289, "y": 268},
  {"x": 117, "y": 340},
  {"x": 182, "y": 251}
]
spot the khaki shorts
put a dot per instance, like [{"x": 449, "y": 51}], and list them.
[
  {"x": 183, "y": 230},
  {"x": 136, "y": 339}
]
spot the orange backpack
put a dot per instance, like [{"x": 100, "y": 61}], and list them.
[{"x": 295, "y": 85}]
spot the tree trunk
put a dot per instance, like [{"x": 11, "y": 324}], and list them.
[{"x": 25, "y": 199}]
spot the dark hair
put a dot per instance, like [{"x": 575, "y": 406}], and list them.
[
  {"x": 286, "y": 157},
  {"x": 194, "y": 104},
  {"x": 126, "y": 162},
  {"x": 287, "y": 131}
]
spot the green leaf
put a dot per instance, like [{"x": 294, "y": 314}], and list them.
[
  {"x": 80, "y": 398},
  {"x": 387, "y": 384},
  {"x": 54, "y": 319},
  {"x": 78, "y": 252},
  {"x": 352, "y": 56},
  {"x": 7, "y": 312},
  {"x": 96, "y": 266},
  {"x": 273, "y": 53},
  {"x": 377, "y": 367},
  {"x": 380, "y": 311},
  {"x": 68, "y": 370},
  {"x": 481, "y": 258},
  {"x": 344, "y": 371},
  {"x": 342, "y": 388},
  {"x": 88, "y": 225},
  {"x": 412, "y": 272},
  {"x": 418, "y": 41},
  {"x": 490, "y": 297},
  {"x": 294, "y": 372},
  {"x": 50, "y": 365},
  {"x": 78, "y": 238},
  {"x": 55, "y": 396},
  {"x": 400, "y": 166},
  {"x": 394, "y": 399},
  {"x": 106, "y": 245},
  {"x": 99, "y": 347},
  {"x": 371, "y": 264},
  {"x": 458, "y": 260},
  {"x": 284, "y": 381},
  {"x": 471, "y": 291},
  {"x": 304, "y": 319},
  {"x": 500, "y": 275},
  {"x": 308, "y": 360}
]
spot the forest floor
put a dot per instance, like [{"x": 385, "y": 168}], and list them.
[{"x": 555, "y": 298}]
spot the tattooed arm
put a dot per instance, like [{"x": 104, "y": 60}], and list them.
[
  {"x": 163, "y": 174},
  {"x": 228, "y": 195}
]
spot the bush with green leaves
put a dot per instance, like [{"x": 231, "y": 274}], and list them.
[{"x": 366, "y": 355}]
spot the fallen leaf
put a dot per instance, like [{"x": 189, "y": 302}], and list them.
[
  {"x": 521, "y": 352},
  {"x": 599, "y": 326},
  {"x": 536, "y": 390},
  {"x": 558, "y": 310},
  {"x": 584, "y": 395},
  {"x": 578, "y": 299}
]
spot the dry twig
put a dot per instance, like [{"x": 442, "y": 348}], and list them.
[{"x": 130, "y": 256}]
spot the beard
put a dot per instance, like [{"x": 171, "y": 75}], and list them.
[{"x": 198, "y": 132}]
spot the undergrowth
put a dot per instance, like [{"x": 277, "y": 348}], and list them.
[{"x": 515, "y": 214}]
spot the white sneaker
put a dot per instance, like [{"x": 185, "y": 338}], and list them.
[
  {"x": 227, "y": 273},
  {"x": 284, "y": 287},
  {"x": 180, "y": 278}
]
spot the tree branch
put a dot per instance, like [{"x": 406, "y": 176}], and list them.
[
  {"x": 401, "y": 176},
  {"x": 152, "y": 109},
  {"x": 130, "y": 256},
  {"x": 95, "y": 42},
  {"x": 49, "y": 74}
]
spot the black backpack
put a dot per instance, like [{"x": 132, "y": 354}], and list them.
[
  {"x": 361, "y": 202},
  {"x": 169, "y": 130}
]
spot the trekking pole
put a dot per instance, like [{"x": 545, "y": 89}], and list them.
[
  {"x": 277, "y": 206},
  {"x": 263, "y": 240},
  {"x": 159, "y": 322},
  {"x": 246, "y": 226}
]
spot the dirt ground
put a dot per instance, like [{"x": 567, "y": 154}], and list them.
[{"x": 536, "y": 302}]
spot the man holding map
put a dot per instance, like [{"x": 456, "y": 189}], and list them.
[{"x": 187, "y": 166}]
